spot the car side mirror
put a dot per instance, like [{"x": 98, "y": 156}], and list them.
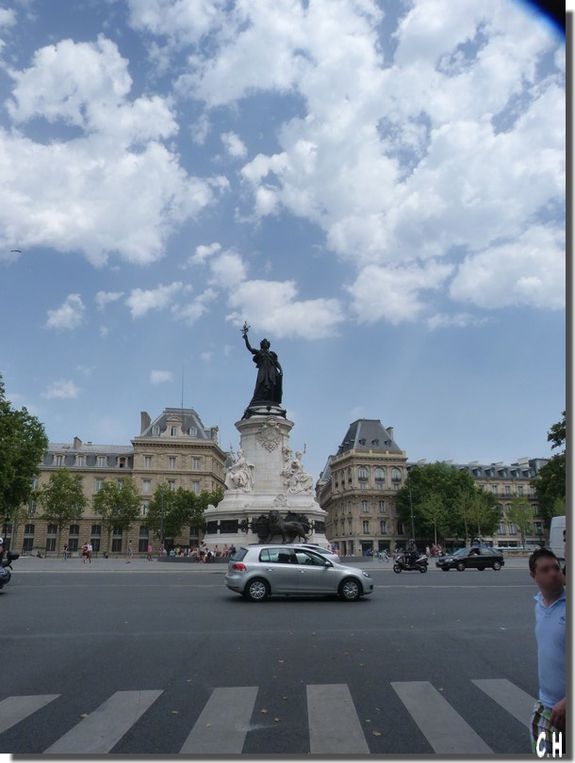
[{"x": 327, "y": 563}]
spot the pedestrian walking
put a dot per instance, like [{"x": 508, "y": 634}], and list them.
[
  {"x": 150, "y": 552},
  {"x": 65, "y": 551},
  {"x": 130, "y": 552},
  {"x": 548, "y": 719},
  {"x": 84, "y": 553},
  {"x": 89, "y": 550}
]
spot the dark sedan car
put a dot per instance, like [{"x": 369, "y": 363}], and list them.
[{"x": 475, "y": 558}]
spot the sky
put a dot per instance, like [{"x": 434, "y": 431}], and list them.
[{"x": 376, "y": 187}]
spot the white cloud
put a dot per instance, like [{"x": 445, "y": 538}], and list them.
[
  {"x": 193, "y": 310},
  {"x": 273, "y": 306},
  {"x": 81, "y": 203},
  {"x": 206, "y": 356},
  {"x": 179, "y": 20},
  {"x": 104, "y": 298},
  {"x": 7, "y": 17},
  {"x": 141, "y": 301},
  {"x": 86, "y": 370},
  {"x": 63, "y": 389},
  {"x": 227, "y": 269},
  {"x": 234, "y": 145},
  {"x": 394, "y": 293},
  {"x": 204, "y": 251},
  {"x": 69, "y": 315},
  {"x": 457, "y": 320},
  {"x": 528, "y": 271},
  {"x": 104, "y": 331},
  {"x": 159, "y": 377}
]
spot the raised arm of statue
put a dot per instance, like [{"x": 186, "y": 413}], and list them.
[{"x": 248, "y": 345}]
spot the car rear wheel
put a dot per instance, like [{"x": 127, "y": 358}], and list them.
[
  {"x": 460, "y": 566},
  {"x": 350, "y": 590},
  {"x": 256, "y": 590},
  {"x": 481, "y": 569},
  {"x": 445, "y": 568},
  {"x": 496, "y": 565}
]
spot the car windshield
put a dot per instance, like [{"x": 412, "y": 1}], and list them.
[{"x": 461, "y": 552}]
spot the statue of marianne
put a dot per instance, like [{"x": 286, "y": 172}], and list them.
[{"x": 268, "y": 389}]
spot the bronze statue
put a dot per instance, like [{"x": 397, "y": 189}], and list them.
[{"x": 268, "y": 389}]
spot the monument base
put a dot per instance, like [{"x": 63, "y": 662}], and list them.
[{"x": 265, "y": 478}]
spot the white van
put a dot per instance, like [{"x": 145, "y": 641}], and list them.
[{"x": 557, "y": 537}]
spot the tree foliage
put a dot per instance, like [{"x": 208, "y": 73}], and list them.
[
  {"x": 62, "y": 499},
  {"x": 118, "y": 505},
  {"x": 551, "y": 482},
  {"x": 520, "y": 513},
  {"x": 446, "y": 502},
  {"x": 172, "y": 510},
  {"x": 22, "y": 445}
]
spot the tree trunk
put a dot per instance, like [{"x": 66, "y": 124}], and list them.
[{"x": 435, "y": 532}]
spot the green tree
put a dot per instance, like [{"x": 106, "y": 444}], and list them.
[
  {"x": 447, "y": 484},
  {"x": 433, "y": 510},
  {"x": 520, "y": 513},
  {"x": 484, "y": 514},
  {"x": 22, "y": 445},
  {"x": 551, "y": 481},
  {"x": 172, "y": 510},
  {"x": 62, "y": 500},
  {"x": 118, "y": 505}
]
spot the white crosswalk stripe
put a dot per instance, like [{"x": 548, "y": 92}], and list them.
[
  {"x": 15, "y": 709},
  {"x": 226, "y": 719},
  {"x": 445, "y": 730},
  {"x": 104, "y": 728},
  {"x": 334, "y": 727},
  {"x": 223, "y": 723},
  {"x": 511, "y": 697}
]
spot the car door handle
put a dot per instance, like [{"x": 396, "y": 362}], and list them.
[{"x": 269, "y": 569}]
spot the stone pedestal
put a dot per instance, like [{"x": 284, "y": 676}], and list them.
[{"x": 265, "y": 476}]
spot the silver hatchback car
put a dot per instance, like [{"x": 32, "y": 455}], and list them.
[{"x": 260, "y": 571}]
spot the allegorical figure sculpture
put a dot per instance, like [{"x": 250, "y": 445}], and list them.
[
  {"x": 240, "y": 475},
  {"x": 268, "y": 389}
]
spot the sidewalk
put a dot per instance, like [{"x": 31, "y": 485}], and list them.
[{"x": 142, "y": 565}]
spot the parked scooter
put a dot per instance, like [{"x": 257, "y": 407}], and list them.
[
  {"x": 6, "y": 564},
  {"x": 405, "y": 562}
]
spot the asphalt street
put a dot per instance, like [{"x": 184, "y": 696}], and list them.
[{"x": 143, "y": 660}]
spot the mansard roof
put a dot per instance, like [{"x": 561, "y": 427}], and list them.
[
  {"x": 190, "y": 424},
  {"x": 368, "y": 434}
]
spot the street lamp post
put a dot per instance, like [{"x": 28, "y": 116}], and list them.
[{"x": 411, "y": 514}]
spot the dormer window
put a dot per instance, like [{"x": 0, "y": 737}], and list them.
[
  {"x": 156, "y": 430},
  {"x": 193, "y": 432},
  {"x": 173, "y": 431},
  {"x": 122, "y": 462},
  {"x": 362, "y": 441}
]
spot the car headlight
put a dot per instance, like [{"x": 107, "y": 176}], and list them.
[{"x": 365, "y": 574}]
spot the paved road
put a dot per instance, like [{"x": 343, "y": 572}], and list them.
[{"x": 162, "y": 663}]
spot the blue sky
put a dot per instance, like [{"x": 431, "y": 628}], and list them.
[{"x": 375, "y": 187}]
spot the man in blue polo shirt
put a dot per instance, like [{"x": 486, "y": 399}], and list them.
[{"x": 549, "y": 712}]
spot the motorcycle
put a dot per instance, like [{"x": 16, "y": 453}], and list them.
[
  {"x": 404, "y": 562},
  {"x": 6, "y": 567}
]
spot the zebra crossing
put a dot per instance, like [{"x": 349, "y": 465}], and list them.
[{"x": 231, "y": 713}]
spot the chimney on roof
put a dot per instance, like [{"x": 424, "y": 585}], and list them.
[
  {"x": 390, "y": 431},
  {"x": 145, "y": 421},
  {"x": 77, "y": 443}
]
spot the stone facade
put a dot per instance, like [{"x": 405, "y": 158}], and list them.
[
  {"x": 357, "y": 489},
  {"x": 175, "y": 448}
]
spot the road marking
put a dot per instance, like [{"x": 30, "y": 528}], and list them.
[
  {"x": 445, "y": 730},
  {"x": 493, "y": 585},
  {"x": 15, "y": 709},
  {"x": 334, "y": 728},
  {"x": 223, "y": 723},
  {"x": 105, "y": 726},
  {"x": 510, "y": 697}
]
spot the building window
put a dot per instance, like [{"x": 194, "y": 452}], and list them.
[
  {"x": 365, "y": 526},
  {"x": 156, "y": 431},
  {"x": 507, "y": 489},
  {"x": 193, "y": 432},
  {"x": 31, "y": 507},
  {"x": 173, "y": 431},
  {"x": 196, "y": 487},
  {"x": 362, "y": 473},
  {"x": 117, "y": 533},
  {"x": 383, "y": 527},
  {"x": 99, "y": 485},
  {"x": 73, "y": 534},
  {"x": 519, "y": 489},
  {"x": 34, "y": 483},
  {"x": 122, "y": 462},
  {"x": 379, "y": 474},
  {"x": 147, "y": 462},
  {"x": 52, "y": 530},
  {"x": 96, "y": 530},
  {"x": 172, "y": 484},
  {"x": 145, "y": 507},
  {"x": 81, "y": 460},
  {"x": 501, "y": 529},
  {"x": 349, "y": 475},
  {"x": 196, "y": 463},
  {"x": 28, "y": 544},
  {"x": 171, "y": 462},
  {"x": 51, "y": 544},
  {"x": 143, "y": 539},
  {"x": 59, "y": 460},
  {"x": 494, "y": 489},
  {"x": 512, "y": 530},
  {"x": 400, "y": 528},
  {"x": 146, "y": 487},
  {"x": 102, "y": 461},
  {"x": 382, "y": 507},
  {"x": 74, "y": 530},
  {"x": 120, "y": 483},
  {"x": 395, "y": 475},
  {"x": 364, "y": 506}
]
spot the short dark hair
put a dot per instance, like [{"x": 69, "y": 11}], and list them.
[{"x": 538, "y": 554}]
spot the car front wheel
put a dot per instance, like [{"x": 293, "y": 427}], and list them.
[
  {"x": 350, "y": 590},
  {"x": 496, "y": 565},
  {"x": 256, "y": 590},
  {"x": 445, "y": 568},
  {"x": 460, "y": 566}
]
